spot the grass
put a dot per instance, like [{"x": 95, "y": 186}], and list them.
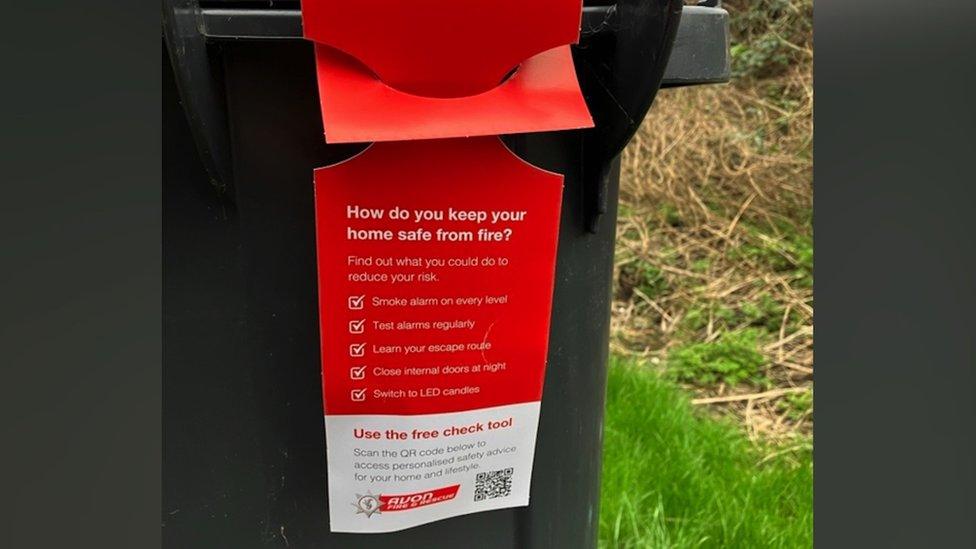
[
  {"x": 732, "y": 359},
  {"x": 675, "y": 479}
]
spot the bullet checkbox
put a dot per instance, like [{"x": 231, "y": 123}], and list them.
[
  {"x": 357, "y": 372},
  {"x": 357, "y": 350},
  {"x": 357, "y": 395},
  {"x": 356, "y": 302},
  {"x": 357, "y": 326}
]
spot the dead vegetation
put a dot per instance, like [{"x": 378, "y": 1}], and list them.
[{"x": 714, "y": 280}]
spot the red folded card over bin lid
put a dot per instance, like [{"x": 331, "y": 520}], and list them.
[{"x": 395, "y": 70}]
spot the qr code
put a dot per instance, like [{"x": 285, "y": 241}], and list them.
[{"x": 494, "y": 484}]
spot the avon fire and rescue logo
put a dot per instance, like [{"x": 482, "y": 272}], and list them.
[{"x": 369, "y": 504}]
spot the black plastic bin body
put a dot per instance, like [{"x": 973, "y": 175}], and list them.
[{"x": 244, "y": 450}]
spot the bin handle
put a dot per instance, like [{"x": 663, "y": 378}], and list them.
[
  {"x": 624, "y": 61},
  {"x": 200, "y": 93}
]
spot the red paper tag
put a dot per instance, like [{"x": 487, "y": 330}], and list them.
[
  {"x": 542, "y": 95},
  {"x": 439, "y": 48},
  {"x": 436, "y": 268},
  {"x": 390, "y": 70},
  {"x": 436, "y": 256}
]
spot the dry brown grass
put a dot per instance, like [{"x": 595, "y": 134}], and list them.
[{"x": 715, "y": 228}]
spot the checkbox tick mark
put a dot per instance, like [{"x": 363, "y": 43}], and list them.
[
  {"x": 357, "y": 350},
  {"x": 356, "y": 302},
  {"x": 357, "y": 372},
  {"x": 357, "y": 326},
  {"x": 357, "y": 395}
]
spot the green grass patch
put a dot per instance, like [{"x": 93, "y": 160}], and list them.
[
  {"x": 796, "y": 405},
  {"x": 732, "y": 358},
  {"x": 645, "y": 277},
  {"x": 670, "y": 215},
  {"x": 675, "y": 479},
  {"x": 790, "y": 253}
]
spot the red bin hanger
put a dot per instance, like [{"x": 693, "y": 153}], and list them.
[
  {"x": 390, "y": 70},
  {"x": 442, "y": 48}
]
